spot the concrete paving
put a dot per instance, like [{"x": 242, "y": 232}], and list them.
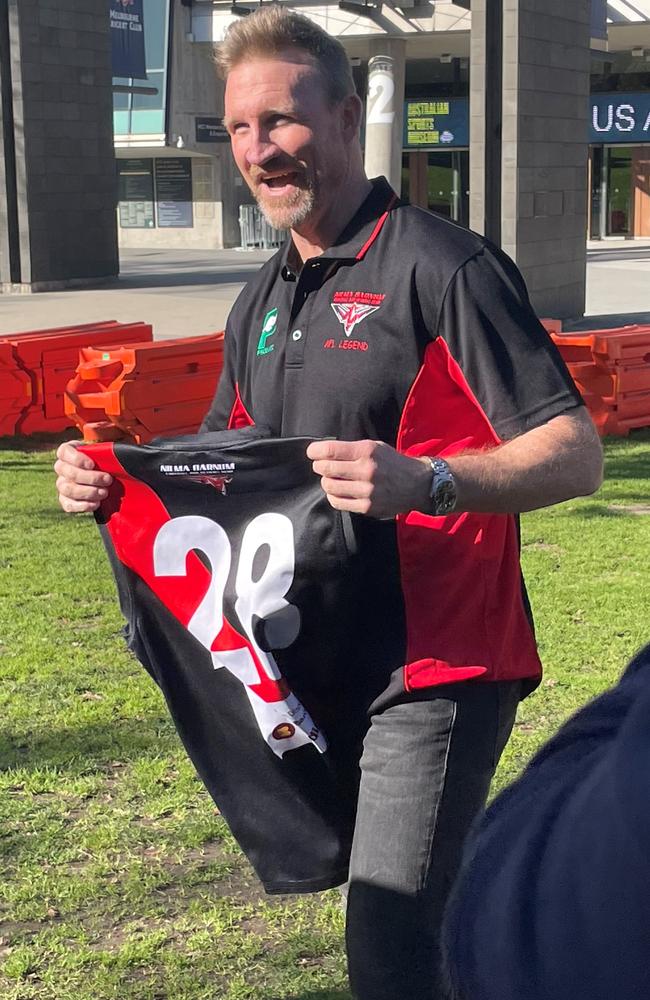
[
  {"x": 618, "y": 284},
  {"x": 182, "y": 292},
  {"x": 186, "y": 293}
]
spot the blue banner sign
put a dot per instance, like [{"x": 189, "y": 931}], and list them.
[
  {"x": 127, "y": 39},
  {"x": 436, "y": 123},
  {"x": 620, "y": 118},
  {"x": 599, "y": 18}
]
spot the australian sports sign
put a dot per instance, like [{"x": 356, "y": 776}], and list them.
[
  {"x": 432, "y": 123},
  {"x": 127, "y": 38},
  {"x": 621, "y": 118}
]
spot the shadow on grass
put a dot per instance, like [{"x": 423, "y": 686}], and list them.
[
  {"x": 37, "y": 442},
  {"x": 89, "y": 748},
  {"x": 316, "y": 995},
  {"x": 595, "y": 511}
]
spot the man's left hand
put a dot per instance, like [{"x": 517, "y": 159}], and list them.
[{"x": 370, "y": 477}]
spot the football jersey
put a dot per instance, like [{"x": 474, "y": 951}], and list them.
[{"x": 238, "y": 582}]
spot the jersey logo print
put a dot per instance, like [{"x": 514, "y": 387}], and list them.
[
  {"x": 219, "y": 482},
  {"x": 351, "y": 308}
]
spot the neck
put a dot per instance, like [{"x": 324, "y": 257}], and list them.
[{"x": 317, "y": 235}]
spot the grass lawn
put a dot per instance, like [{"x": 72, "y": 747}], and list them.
[{"x": 118, "y": 878}]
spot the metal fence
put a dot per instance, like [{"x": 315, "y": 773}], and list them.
[{"x": 256, "y": 232}]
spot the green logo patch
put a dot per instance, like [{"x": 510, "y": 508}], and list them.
[{"x": 269, "y": 325}]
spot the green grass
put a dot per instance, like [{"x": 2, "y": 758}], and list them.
[{"x": 118, "y": 878}]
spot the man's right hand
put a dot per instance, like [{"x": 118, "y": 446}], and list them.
[{"x": 80, "y": 486}]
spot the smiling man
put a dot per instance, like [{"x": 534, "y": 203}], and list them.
[{"x": 408, "y": 347}]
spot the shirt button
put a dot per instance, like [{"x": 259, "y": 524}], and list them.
[{"x": 296, "y": 335}]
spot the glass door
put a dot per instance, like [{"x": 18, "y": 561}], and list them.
[
  {"x": 619, "y": 191},
  {"x": 438, "y": 181}
]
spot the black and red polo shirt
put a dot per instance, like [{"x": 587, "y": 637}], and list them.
[{"x": 411, "y": 330}]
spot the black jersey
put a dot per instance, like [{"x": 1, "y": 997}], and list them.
[{"x": 238, "y": 583}]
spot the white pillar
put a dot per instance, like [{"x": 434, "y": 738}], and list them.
[{"x": 385, "y": 112}]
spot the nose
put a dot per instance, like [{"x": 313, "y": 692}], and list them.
[{"x": 259, "y": 149}]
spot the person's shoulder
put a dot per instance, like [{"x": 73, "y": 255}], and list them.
[{"x": 437, "y": 239}]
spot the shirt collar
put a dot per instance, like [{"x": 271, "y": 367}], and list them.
[{"x": 354, "y": 240}]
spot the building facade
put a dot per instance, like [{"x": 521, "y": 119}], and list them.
[{"x": 176, "y": 180}]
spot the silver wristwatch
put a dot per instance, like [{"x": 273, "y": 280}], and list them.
[{"x": 443, "y": 488}]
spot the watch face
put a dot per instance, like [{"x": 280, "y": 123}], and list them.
[{"x": 445, "y": 498}]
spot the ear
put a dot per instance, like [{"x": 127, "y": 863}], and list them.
[{"x": 351, "y": 114}]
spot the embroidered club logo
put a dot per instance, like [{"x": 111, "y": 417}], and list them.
[
  {"x": 269, "y": 324},
  {"x": 351, "y": 308}
]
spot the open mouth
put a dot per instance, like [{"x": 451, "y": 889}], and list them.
[{"x": 280, "y": 183}]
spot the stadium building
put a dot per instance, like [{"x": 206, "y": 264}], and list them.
[
  {"x": 528, "y": 121},
  {"x": 175, "y": 134}
]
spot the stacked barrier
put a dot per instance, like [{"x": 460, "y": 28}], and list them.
[
  {"x": 612, "y": 371},
  {"x": 15, "y": 390},
  {"x": 145, "y": 390},
  {"x": 36, "y": 366}
]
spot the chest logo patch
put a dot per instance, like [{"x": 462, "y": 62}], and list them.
[
  {"x": 351, "y": 308},
  {"x": 269, "y": 325}
]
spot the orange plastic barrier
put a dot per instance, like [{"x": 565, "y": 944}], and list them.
[
  {"x": 552, "y": 325},
  {"x": 612, "y": 371},
  {"x": 47, "y": 360},
  {"x": 145, "y": 390},
  {"x": 15, "y": 390}
]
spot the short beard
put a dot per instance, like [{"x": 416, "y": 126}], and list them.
[{"x": 292, "y": 211}]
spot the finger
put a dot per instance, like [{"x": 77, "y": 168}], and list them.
[
  {"x": 346, "y": 489},
  {"x": 336, "y": 469},
  {"x": 77, "y": 474},
  {"x": 76, "y": 491},
  {"x": 69, "y": 452},
  {"x": 345, "y": 451},
  {"x": 76, "y": 506},
  {"x": 353, "y": 506}
]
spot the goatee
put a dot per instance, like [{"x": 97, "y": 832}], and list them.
[{"x": 289, "y": 212}]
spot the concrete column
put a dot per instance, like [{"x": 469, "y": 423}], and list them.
[
  {"x": 477, "y": 119},
  {"x": 545, "y": 149},
  {"x": 59, "y": 212},
  {"x": 385, "y": 110},
  {"x": 544, "y": 145}
]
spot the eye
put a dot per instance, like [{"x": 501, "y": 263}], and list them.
[{"x": 279, "y": 120}]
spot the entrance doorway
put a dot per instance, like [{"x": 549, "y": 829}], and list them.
[
  {"x": 612, "y": 192},
  {"x": 438, "y": 181},
  {"x": 619, "y": 191}
]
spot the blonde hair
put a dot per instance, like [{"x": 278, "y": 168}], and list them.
[{"x": 271, "y": 30}]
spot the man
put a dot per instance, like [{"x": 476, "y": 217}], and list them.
[
  {"x": 398, "y": 338},
  {"x": 554, "y": 900}
]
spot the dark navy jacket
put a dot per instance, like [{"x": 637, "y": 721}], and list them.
[{"x": 554, "y": 901}]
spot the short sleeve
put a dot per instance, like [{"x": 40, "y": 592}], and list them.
[
  {"x": 218, "y": 416},
  {"x": 507, "y": 358}
]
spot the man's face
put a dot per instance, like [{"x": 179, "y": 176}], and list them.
[{"x": 290, "y": 146}]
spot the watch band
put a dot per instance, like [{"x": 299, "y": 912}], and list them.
[{"x": 443, "y": 488}]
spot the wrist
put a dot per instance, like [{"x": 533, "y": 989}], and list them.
[{"x": 443, "y": 497}]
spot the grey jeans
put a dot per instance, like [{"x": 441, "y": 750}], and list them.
[{"x": 426, "y": 769}]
